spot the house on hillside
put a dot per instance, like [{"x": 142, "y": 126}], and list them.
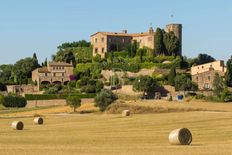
[
  {"x": 204, "y": 74},
  {"x": 54, "y": 73}
]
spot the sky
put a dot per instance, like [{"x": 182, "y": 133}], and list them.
[{"x": 29, "y": 26}]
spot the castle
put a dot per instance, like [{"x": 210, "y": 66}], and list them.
[{"x": 104, "y": 42}]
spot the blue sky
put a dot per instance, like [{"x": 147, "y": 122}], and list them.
[{"x": 28, "y": 26}]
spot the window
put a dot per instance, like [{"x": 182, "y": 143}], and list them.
[
  {"x": 209, "y": 78},
  {"x": 103, "y": 39},
  {"x": 95, "y": 40},
  {"x": 62, "y": 74},
  {"x": 96, "y": 50},
  {"x": 46, "y": 74},
  {"x": 202, "y": 67},
  {"x": 197, "y": 78},
  {"x": 103, "y": 50},
  {"x": 54, "y": 68},
  {"x": 206, "y": 86},
  {"x": 54, "y": 74},
  {"x": 109, "y": 39},
  {"x": 123, "y": 40}
]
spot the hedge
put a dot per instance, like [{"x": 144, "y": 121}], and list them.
[
  {"x": 14, "y": 101},
  {"x": 56, "y": 96}
]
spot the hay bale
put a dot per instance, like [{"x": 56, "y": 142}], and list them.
[
  {"x": 126, "y": 113},
  {"x": 17, "y": 125},
  {"x": 180, "y": 136},
  {"x": 38, "y": 120}
]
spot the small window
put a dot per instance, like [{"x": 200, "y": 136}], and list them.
[
  {"x": 109, "y": 39},
  {"x": 202, "y": 67},
  {"x": 102, "y": 39},
  {"x": 96, "y": 50},
  {"x": 197, "y": 78},
  {"x": 103, "y": 50},
  {"x": 62, "y": 74},
  {"x": 54, "y": 74},
  {"x": 46, "y": 74},
  {"x": 54, "y": 68},
  {"x": 95, "y": 40},
  {"x": 209, "y": 78}
]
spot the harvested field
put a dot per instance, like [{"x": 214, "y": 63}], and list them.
[{"x": 101, "y": 134}]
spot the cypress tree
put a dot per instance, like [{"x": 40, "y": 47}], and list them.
[
  {"x": 228, "y": 75},
  {"x": 171, "y": 76}
]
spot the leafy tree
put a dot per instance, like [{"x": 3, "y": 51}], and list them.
[
  {"x": 184, "y": 83},
  {"x": 23, "y": 68},
  {"x": 146, "y": 84},
  {"x": 104, "y": 99},
  {"x": 81, "y": 43},
  {"x": 158, "y": 41},
  {"x": 171, "y": 76},
  {"x": 204, "y": 58},
  {"x": 171, "y": 43},
  {"x": 228, "y": 75},
  {"x": 218, "y": 85},
  {"x": 5, "y": 73},
  {"x": 74, "y": 102},
  {"x": 65, "y": 56}
]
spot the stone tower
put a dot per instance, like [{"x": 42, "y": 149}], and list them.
[{"x": 177, "y": 29}]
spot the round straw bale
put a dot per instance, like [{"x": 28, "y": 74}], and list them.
[
  {"x": 38, "y": 120},
  {"x": 17, "y": 125},
  {"x": 126, "y": 113},
  {"x": 180, "y": 136}
]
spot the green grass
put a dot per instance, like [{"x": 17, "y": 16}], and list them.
[{"x": 101, "y": 134}]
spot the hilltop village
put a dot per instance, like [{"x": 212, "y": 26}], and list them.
[{"x": 146, "y": 65}]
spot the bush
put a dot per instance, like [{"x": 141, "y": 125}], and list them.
[
  {"x": 147, "y": 65},
  {"x": 14, "y": 101},
  {"x": 88, "y": 89},
  {"x": 73, "y": 101},
  {"x": 104, "y": 99},
  {"x": 1, "y": 99}
]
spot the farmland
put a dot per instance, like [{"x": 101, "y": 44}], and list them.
[{"x": 100, "y": 133}]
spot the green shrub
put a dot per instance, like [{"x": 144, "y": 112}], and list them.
[
  {"x": 88, "y": 89},
  {"x": 14, "y": 101},
  {"x": 147, "y": 65},
  {"x": 104, "y": 99}
]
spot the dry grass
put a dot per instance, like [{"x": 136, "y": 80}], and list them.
[{"x": 113, "y": 134}]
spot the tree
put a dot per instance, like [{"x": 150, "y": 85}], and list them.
[
  {"x": 171, "y": 76},
  {"x": 104, "y": 99},
  {"x": 74, "y": 102},
  {"x": 184, "y": 83},
  {"x": 23, "y": 68},
  {"x": 132, "y": 49},
  {"x": 228, "y": 75},
  {"x": 145, "y": 84},
  {"x": 158, "y": 41},
  {"x": 141, "y": 52},
  {"x": 218, "y": 85},
  {"x": 171, "y": 43},
  {"x": 204, "y": 58},
  {"x": 6, "y": 73}
]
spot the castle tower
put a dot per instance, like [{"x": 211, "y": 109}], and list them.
[{"x": 177, "y": 29}]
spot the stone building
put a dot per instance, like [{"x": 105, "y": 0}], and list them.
[
  {"x": 54, "y": 73},
  {"x": 204, "y": 74},
  {"x": 104, "y": 42}
]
